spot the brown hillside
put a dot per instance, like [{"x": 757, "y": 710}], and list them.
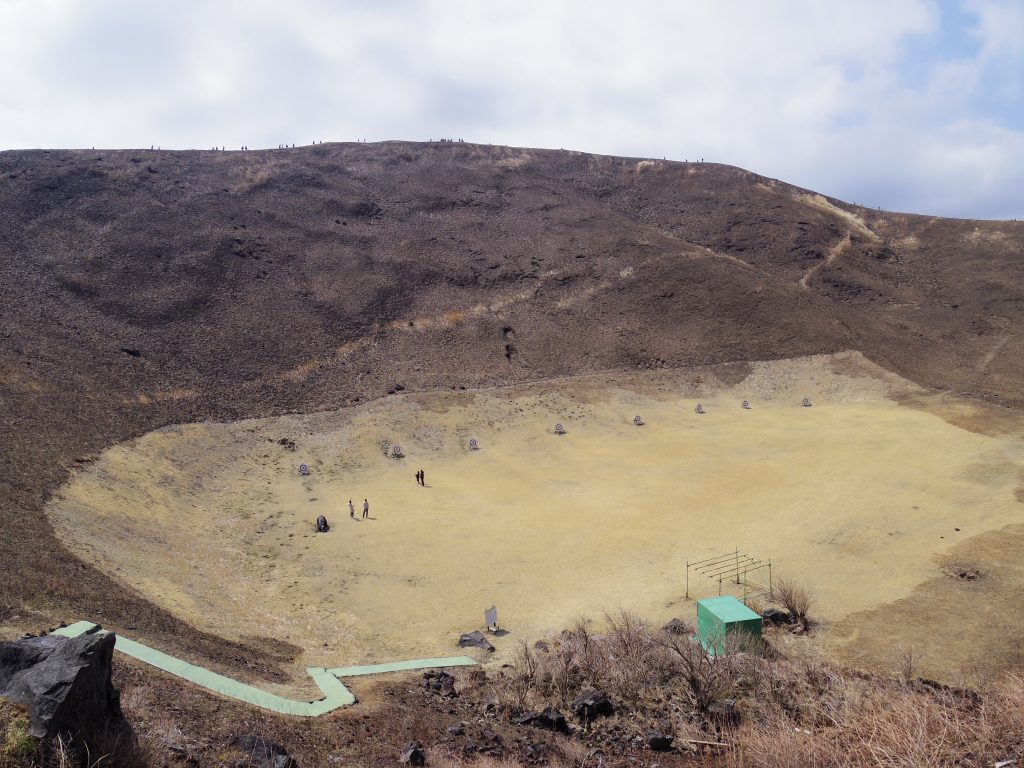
[{"x": 144, "y": 288}]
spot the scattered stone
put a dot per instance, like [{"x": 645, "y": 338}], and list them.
[
  {"x": 592, "y": 704},
  {"x": 413, "y": 754},
  {"x": 963, "y": 572},
  {"x": 658, "y": 741},
  {"x": 534, "y": 753},
  {"x": 678, "y": 627},
  {"x": 457, "y": 730},
  {"x": 475, "y": 640},
  {"x": 261, "y": 753},
  {"x": 489, "y": 743},
  {"x": 541, "y": 646},
  {"x": 64, "y": 683},
  {"x": 440, "y": 682}
]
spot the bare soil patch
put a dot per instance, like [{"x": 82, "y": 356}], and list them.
[{"x": 857, "y": 497}]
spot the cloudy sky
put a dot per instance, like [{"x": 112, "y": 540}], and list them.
[{"x": 912, "y": 105}]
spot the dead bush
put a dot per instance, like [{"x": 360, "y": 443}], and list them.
[
  {"x": 708, "y": 677},
  {"x": 794, "y": 599}
]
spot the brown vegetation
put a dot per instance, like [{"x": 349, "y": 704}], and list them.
[
  {"x": 793, "y": 709},
  {"x": 794, "y": 599}
]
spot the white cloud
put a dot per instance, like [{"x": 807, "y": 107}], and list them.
[{"x": 807, "y": 91}]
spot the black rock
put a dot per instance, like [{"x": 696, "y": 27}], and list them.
[
  {"x": 550, "y": 719},
  {"x": 591, "y": 704},
  {"x": 413, "y": 754},
  {"x": 447, "y": 687},
  {"x": 489, "y": 743},
  {"x": 677, "y": 627},
  {"x": 776, "y": 616},
  {"x": 63, "y": 682},
  {"x": 440, "y": 682},
  {"x": 658, "y": 742},
  {"x": 534, "y": 753},
  {"x": 261, "y": 753},
  {"x": 475, "y": 640}
]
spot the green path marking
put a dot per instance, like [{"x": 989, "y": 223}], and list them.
[
  {"x": 335, "y": 694},
  {"x": 399, "y": 666}
]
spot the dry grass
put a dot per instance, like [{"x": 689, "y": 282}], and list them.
[
  {"x": 794, "y": 599},
  {"x": 114, "y": 746},
  {"x": 796, "y": 710}
]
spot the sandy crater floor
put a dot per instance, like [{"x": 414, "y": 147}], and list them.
[{"x": 857, "y": 497}]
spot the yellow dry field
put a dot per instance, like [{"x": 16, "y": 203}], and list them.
[{"x": 858, "y": 497}]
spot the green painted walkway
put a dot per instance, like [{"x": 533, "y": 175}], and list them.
[{"x": 335, "y": 694}]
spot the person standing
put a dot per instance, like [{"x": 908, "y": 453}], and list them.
[
  {"x": 366, "y": 508},
  {"x": 351, "y": 509},
  {"x": 423, "y": 478},
  {"x": 417, "y": 477}
]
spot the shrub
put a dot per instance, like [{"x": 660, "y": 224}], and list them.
[{"x": 794, "y": 599}]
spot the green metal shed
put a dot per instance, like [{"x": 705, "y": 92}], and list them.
[{"x": 721, "y": 616}]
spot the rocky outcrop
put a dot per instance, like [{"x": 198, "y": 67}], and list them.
[
  {"x": 440, "y": 682},
  {"x": 549, "y": 719},
  {"x": 63, "y": 682},
  {"x": 591, "y": 704}
]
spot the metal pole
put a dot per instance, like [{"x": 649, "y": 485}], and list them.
[
  {"x": 688, "y": 579},
  {"x": 719, "y": 586},
  {"x": 737, "y": 565},
  {"x": 771, "y": 589}
]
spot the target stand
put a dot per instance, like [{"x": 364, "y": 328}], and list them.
[
  {"x": 700, "y": 408},
  {"x": 638, "y": 421},
  {"x": 491, "y": 619},
  {"x": 559, "y": 429},
  {"x": 735, "y": 571},
  {"x": 303, "y": 470},
  {"x": 473, "y": 445}
]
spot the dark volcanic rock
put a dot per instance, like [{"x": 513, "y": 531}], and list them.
[
  {"x": 534, "y": 753},
  {"x": 776, "y": 616},
  {"x": 440, "y": 682},
  {"x": 475, "y": 640},
  {"x": 550, "y": 719},
  {"x": 261, "y": 753},
  {"x": 657, "y": 741},
  {"x": 591, "y": 704},
  {"x": 413, "y": 754},
  {"x": 63, "y": 682}
]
